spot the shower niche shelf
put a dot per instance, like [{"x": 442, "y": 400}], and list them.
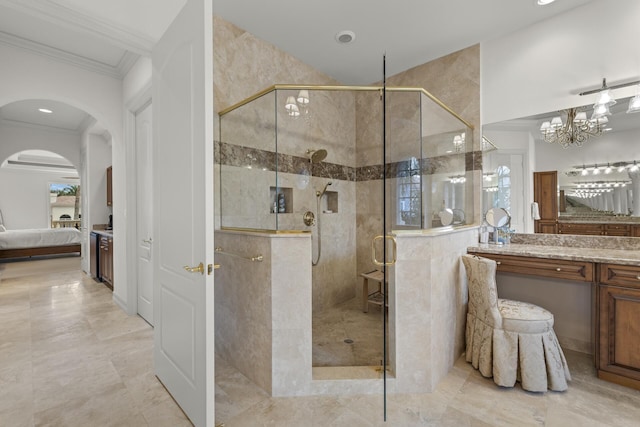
[
  {"x": 288, "y": 198},
  {"x": 330, "y": 203}
]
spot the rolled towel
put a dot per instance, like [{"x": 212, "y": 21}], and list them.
[{"x": 535, "y": 210}]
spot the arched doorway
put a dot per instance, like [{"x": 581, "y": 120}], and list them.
[{"x": 65, "y": 142}]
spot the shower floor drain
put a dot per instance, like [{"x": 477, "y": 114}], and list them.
[{"x": 348, "y": 341}]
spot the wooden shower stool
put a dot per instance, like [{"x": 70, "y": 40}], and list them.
[{"x": 376, "y": 297}]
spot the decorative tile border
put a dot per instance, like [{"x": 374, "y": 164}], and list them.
[{"x": 245, "y": 157}]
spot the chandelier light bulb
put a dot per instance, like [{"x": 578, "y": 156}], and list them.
[
  {"x": 596, "y": 170},
  {"x": 290, "y": 104},
  {"x": 581, "y": 118},
  {"x": 303, "y": 97},
  {"x": 608, "y": 169},
  {"x": 584, "y": 171}
]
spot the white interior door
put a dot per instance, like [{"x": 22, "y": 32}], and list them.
[
  {"x": 144, "y": 218},
  {"x": 183, "y": 211}
]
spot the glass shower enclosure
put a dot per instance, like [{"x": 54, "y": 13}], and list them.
[{"x": 346, "y": 164}]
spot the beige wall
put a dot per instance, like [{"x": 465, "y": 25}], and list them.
[{"x": 244, "y": 65}]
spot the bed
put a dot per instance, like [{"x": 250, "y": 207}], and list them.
[{"x": 46, "y": 241}]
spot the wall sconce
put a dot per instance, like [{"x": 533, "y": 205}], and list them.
[
  {"x": 458, "y": 179},
  {"x": 634, "y": 104},
  {"x": 605, "y": 99}
]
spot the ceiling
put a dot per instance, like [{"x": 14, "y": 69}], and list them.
[{"x": 109, "y": 36}]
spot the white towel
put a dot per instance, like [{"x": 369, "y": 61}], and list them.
[{"x": 535, "y": 210}]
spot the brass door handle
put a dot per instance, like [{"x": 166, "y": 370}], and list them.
[
  {"x": 373, "y": 250},
  {"x": 198, "y": 269},
  {"x": 147, "y": 241}
]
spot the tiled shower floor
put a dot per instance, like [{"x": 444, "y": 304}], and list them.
[{"x": 362, "y": 331}]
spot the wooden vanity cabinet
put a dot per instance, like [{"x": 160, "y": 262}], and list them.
[{"x": 618, "y": 347}]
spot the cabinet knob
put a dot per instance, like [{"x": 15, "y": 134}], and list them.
[
  {"x": 558, "y": 269},
  {"x": 498, "y": 262},
  {"x": 638, "y": 277}
]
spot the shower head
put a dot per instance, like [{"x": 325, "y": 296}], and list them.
[{"x": 316, "y": 156}]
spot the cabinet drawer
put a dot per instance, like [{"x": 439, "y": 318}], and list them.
[
  {"x": 559, "y": 269},
  {"x": 617, "y": 229},
  {"x": 582, "y": 229},
  {"x": 620, "y": 275}
]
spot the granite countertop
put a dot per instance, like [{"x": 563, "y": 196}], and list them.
[
  {"x": 620, "y": 220},
  {"x": 599, "y": 255},
  {"x": 108, "y": 233}
]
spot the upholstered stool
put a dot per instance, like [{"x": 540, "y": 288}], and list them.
[{"x": 510, "y": 340}]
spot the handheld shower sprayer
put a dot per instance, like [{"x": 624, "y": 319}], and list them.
[{"x": 324, "y": 190}]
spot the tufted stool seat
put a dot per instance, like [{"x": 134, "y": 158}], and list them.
[
  {"x": 510, "y": 340},
  {"x": 518, "y": 316}
]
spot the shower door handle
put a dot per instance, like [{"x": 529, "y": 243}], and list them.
[{"x": 393, "y": 246}]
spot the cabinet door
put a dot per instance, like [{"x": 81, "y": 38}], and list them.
[
  {"x": 110, "y": 257},
  {"x": 545, "y": 193},
  {"x": 619, "y": 315},
  {"x": 109, "y": 187}
]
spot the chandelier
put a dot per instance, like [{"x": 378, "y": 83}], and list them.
[{"x": 575, "y": 130}]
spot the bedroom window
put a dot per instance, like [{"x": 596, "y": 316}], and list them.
[{"x": 64, "y": 201}]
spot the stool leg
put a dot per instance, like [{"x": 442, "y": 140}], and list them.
[{"x": 365, "y": 295}]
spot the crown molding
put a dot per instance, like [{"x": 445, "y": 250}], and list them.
[
  {"x": 118, "y": 72},
  {"x": 66, "y": 17},
  {"x": 34, "y": 126}
]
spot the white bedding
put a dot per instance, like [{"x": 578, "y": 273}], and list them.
[{"x": 21, "y": 239}]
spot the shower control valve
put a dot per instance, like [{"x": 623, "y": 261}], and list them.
[{"x": 309, "y": 218}]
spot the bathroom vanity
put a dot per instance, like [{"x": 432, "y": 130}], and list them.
[{"x": 610, "y": 266}]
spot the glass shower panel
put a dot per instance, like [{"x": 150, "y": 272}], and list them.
[
  {"x": 446, "y": 168},
  {"x": 403, "y": 161},
  {"x": 247, "y": 162}
]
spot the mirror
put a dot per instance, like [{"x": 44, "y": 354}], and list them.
[
  {"x": 498, "y": 217},
  {"x": 521, "y": 150},
  {"x": 446, "y": 217}
]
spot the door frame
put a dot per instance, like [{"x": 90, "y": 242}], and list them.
[{"x": 135, "y": 104}]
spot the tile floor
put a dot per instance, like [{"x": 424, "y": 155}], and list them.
[{"x": 70, "y": 357}]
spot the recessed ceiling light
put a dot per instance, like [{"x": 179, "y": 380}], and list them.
[
  {"x": 545, "y": 2},
  {"x": 345, "y": 37},
  {"x": 45, "y": 110}
]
